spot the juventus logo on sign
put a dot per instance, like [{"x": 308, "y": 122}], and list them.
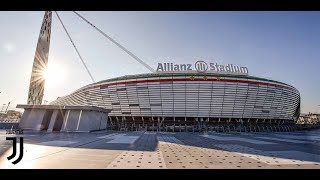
[{"x": 14, "y": 149}]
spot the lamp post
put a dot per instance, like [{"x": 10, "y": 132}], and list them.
[
  {"x": 3, "y": 107},
  {"x": 7, "y": 107}
]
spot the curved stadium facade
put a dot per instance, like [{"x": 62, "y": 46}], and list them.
[{"x": 191, "y": 101}]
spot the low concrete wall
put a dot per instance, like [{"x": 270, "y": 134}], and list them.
[
  {"x": 71, "y": 120},
  {"x": 32, "y": 119},
  {"x": 84, "y": 121},
  {"x": 66, "y": 118},
  {"x": 53, "y": 120}
]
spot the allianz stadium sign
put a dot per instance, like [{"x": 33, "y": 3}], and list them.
[{"x": 202, "y": 67}]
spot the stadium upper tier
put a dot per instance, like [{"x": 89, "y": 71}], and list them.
[{"x": 190, "y": 95}]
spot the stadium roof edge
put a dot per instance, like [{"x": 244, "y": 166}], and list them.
[{"x": 146, "y": 75}]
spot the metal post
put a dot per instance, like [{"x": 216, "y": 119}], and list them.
[
  {"x": 158, "y": 128},
  {"x": 3, "y": 107},
  {"x": 152, "y": 124},
  {"x": 7, "y": 107}
]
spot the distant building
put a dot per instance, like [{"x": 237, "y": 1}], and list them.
[
  {"x": 309, "y": 119},
  {"x": 2, "y": 116},
  {"x": 10, "y": 116}
]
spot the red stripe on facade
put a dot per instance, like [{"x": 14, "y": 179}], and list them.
[{"x": 183, "y": 79}]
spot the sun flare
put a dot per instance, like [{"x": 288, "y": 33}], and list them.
[{"x": 53, "y": 74}]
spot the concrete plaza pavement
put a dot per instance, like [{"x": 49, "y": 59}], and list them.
[{"x": 164, "y": 150}]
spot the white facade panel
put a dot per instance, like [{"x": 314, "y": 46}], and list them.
[{"x": 180, "y": 96}]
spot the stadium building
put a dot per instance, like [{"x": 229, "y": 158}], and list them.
[
  {"x": 192, "y": 101},
  {"x": 174, "y": 97}
]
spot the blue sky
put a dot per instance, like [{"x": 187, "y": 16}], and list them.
[{"x": 283, "y": 46}]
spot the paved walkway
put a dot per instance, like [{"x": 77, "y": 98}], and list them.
[{"x": 149, "y": 150}]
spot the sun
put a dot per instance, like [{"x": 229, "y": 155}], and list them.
[
  {"x": 53, "y": 74},
  {"x": 46, "y": 73}
]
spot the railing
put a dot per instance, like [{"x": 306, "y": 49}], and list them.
[
  {"x": 8, "y": 125},
  {"x": 308, "y": 126}
]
